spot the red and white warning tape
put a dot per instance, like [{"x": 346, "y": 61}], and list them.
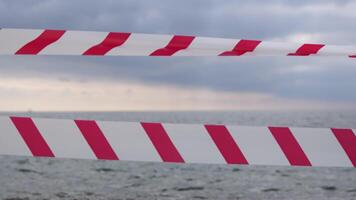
[
  {"x": 60, "y": 42},
  {"x": 181, "y": 143}
]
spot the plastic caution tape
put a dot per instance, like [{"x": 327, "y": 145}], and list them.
[
  {"x": 61, "y": 42},
  {"x": 178, "y": 143}
]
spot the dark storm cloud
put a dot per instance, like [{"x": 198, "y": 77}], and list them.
[{"x": 306, "y": 78}]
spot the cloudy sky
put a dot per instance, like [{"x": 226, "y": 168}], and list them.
[{"x": 45, "y": 83}]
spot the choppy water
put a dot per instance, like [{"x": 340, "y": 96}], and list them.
[{"x": 33, "y": 178}]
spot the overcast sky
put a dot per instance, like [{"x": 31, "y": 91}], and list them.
[{"x": 67, "y": 83}]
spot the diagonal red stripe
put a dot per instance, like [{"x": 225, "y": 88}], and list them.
[
  {"x": 96, "y": 140},
  {"x": 307, "y": 49},
  {"x": 242, "y": 47},
  {"x": 32, "y": 137},
  {"x": 177, "y": 43},
  {"x": 46, "y": 38},
  {"x": 226, "y": 144},
  {"x": 161, "y": 141},
  {"x": 347, "y": 140},
  {"x": 111, "y": 41},
  {"x": 290, "y": 146}
]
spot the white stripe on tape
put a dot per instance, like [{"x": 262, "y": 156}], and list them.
[
  {"x": 258, "y": 145},
  {"x": 326, "y": 151},
  {"x": 11, "y": 142},
  {"x": 74, "y": 43},
  {"x": 129, "y": 141},
  {"x": 207, "y": 46},
  {"x": 12, "y": 40},
  {"x": 204, "y": 150},
  {"x": 275, "y": 48},
  {"x": 64, "y": 138},
  {"x": 140, "y": 45}
]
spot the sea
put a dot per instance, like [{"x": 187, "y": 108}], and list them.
[{"x": 25, "y": 178}]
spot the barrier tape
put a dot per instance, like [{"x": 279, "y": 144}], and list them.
[
  {"x": 178, "y": 143},
  {"x": 61, "y": 42}
]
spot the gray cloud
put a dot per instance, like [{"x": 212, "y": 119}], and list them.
[
  {"x": 254, "y": 19},
  {"x": 310, "y": 78}
]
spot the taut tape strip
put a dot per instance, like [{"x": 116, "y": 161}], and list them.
[
  {"x": 179, "y": 143},
  {"x": 89, "y": 43}
]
